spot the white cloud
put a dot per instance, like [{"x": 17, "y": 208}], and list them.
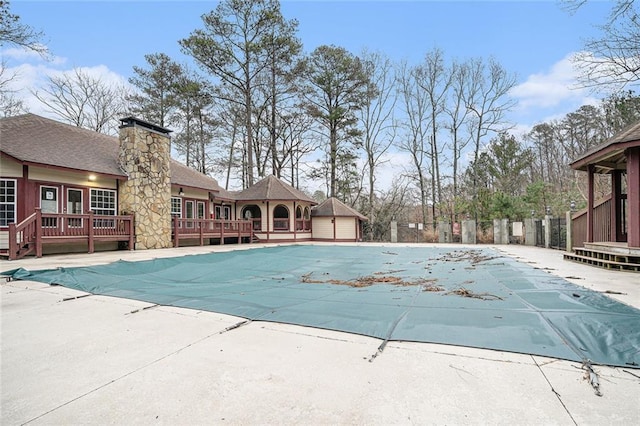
[
  {"x": 550, "y": 88},
  {"x": 31, "y": 72}
]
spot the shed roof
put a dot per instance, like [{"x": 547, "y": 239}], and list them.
[
  {"x": 34, "y": 139},
  {"x": 610, "y": 155},
  {"x": 272, "y": 188},
  {"x": 332, "y": 207}
]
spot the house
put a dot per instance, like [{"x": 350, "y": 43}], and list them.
[
  {"x": 610, "y": 229},
  {"x": 63, "y": 188}
]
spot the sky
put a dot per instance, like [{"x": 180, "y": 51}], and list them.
[{"x": 534, "y": 40}]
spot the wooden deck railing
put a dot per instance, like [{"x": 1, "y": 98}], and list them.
[
  {"x": 202, "y": 229},
  {"x": 50, "y": 228},
  {"x": 601, "y": 223}
]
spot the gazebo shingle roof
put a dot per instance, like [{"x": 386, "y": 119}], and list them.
[{"x": 272, "y": 188}]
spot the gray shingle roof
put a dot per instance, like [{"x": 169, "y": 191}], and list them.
[
  {"x": 272, "y": 188},
  {"x": 332, "y": 207},
  {"x": 34, "y": 139}
]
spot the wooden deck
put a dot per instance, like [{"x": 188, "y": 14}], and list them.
[
  {"x": 609, "y": 255},
  {"x": 39, "y": 229}
]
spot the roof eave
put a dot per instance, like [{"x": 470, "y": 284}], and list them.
[{"x": 602, "y": 155}]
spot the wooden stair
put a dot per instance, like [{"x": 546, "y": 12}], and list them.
[{"x": 607, "y": 256}]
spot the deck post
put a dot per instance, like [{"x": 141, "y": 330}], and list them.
[
  {"x": 176, "y": 237},
  {"x": 222, "y": 232},
  {"x": 200, "y": 223},
  {"x": 13, "y": 241},
  {"x": 633, "y": 196},
  {"x": 38, "y": 232},
  {"x": 90, "y": 225},
  {"x": 240, "y": 229},
  {"x": 590, "y": 195},
  {"x": 132, "y": 227}
]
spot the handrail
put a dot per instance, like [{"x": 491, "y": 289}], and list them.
[{"x": 21, "y": 237}]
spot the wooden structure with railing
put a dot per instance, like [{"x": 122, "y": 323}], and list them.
[
  {"x": 609, "y": 231},
  {"x": 39, "y": 229},
  {"x": 211, "y": 229}
]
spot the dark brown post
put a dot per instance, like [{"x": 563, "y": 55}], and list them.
[
  {"x": 590, "y": 171},
  {"x": 38, "y": 232},
  {"x": 200, "y": 223},
  {"x": 633, "y": 196},
  {"x": 616, "y": 196},
  {"x": 132, "y": 227},
  {"x": 221, "y": 231},
  {"x": 13, "y": 242}
]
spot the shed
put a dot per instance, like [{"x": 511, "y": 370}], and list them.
[{"x": 335, "y": 221}]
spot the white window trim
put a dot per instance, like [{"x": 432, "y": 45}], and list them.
[
  {"x": 178, "y": 204},
  {"x": 115, "y": 202},
  {"x": 15, "y": 200}
]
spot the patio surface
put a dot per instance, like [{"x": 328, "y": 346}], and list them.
[{"x": 105, "y": 360}]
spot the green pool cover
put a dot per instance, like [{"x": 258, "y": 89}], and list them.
[{"x": 465, "y": 297}]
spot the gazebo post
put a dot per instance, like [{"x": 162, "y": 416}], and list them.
[
  {"x": 633, "y": 196},
  {"x": 616, "y": 203},
  {"x": 590, "y": 191}
]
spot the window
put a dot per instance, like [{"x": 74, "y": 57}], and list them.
[
  {"x": 280, "y": 218},
  {"x": 201, "y": 210},
  {"x": 7, "y": 201},
  {"x": 176, "y": 207},
  {"x": 103, "y": 202}
]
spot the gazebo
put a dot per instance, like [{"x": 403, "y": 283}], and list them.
[{"x": 612, "y": 234}]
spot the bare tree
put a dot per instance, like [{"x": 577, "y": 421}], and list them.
[
  {"x": 415, "y": 107},
  {"x": 613, "y": 59},
  {"x": 13, "y": 32},
  {"x": 377, "y": 120},
  {"x": 457, "y": 114},
  {"x": 486, "y": 97},
  {"x": 434, "y": 79},
  {"x": 10, "y": 105},
  {"x": 84, "y": 100}
]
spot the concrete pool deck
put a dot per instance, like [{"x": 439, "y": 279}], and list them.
[{"x": 103, "y": 360}]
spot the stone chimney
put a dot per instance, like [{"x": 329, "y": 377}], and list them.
[{"x": 145, "y": 157}]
